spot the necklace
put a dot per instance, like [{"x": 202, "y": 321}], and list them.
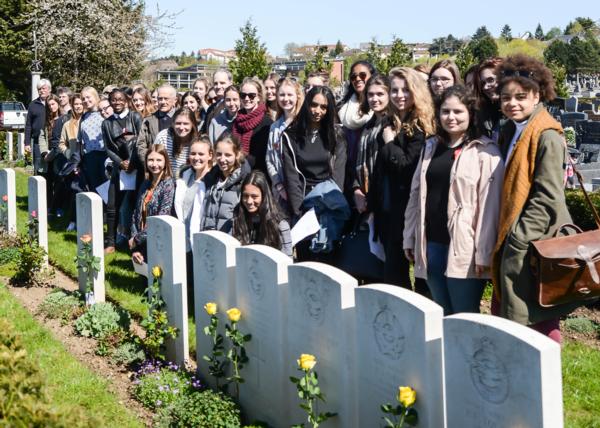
[{"x": 313, "y": 134}]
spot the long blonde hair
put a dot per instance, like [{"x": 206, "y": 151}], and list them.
[{"x": 422, "y": 114}]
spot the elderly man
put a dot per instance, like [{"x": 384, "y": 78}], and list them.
[
  {"x": 36, "y": 119},
  {"x": 221, "y": 80},
  {"x": 152, "y": 125}
]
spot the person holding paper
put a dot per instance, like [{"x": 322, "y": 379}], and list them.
[{"x": 119, "y": 133}]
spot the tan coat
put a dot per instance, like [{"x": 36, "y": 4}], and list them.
[{"x": 473, "y": 208}]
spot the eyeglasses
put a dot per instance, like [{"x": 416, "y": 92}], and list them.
[
  {"x": 104, "y": 108},
  {"x": 250, "y": 95},
  {"x": 362, "y": 76}
]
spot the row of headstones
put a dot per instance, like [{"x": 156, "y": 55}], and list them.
[
  {"x": 469, "y": 370},
  {"x": 9, "y": 139},
  {"x": 573, "y": 105},
  {"x": 89, "y": 220}
]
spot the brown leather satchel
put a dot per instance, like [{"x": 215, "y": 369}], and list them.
[{"x": 567, "y": 268}]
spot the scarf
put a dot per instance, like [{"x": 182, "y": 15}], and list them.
[
  {"x": 367, "y": 153},
  {"x": 244, "y": 125},
  {"x": 350, "y": 114},
  {"x": 518, "y": 181}
]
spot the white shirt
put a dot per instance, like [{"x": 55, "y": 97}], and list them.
[{"x": 196, "y": 218}]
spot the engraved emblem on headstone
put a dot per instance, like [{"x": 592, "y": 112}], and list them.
[
  {"x": 209, "y": 262},
  {"x": 315, "y": 300},
  {"x": 254, "y": 279},
  {"x": 488, "y": 373},
  {"x": 389, "y": 334}
]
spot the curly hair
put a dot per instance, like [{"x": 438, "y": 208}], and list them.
[
  {"x": 530, "y": 73},
  {"x": 422, "y": 114},
  {"x": 469, "y": 101}
]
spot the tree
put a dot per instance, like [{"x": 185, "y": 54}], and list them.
[
  {"x": 317, "y": 63},
  {"x": 375, "y": 55},
  {"x": 464, "y": 58},
  {"x": 557, "y": 53},
  {"x": 399, "y": 55},
  {"x": 483, "y": 48},
  {"x": 581, "y": 25},
  {"x": 290, "y": 48},
  {"x": 553, "y": 33},
  {"x": 559, "y": 73},
  {"x": 481, "y": 33},
  {"x": 15, "y": 49},
  {"x": 506, "y": 33},
  {"x": 251, "y": 55},
  {"x": 539, "y": 33},
  {"x": 339, "y": 48},
  {"x": 584, "y": 55}
]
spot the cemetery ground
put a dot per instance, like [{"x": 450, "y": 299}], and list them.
[{"x": 78, "y": 380}]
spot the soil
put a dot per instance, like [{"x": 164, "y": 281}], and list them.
[{"x": 82, "y": 348}]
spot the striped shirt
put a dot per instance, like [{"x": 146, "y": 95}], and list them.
[{"x": 165, "y": 137}]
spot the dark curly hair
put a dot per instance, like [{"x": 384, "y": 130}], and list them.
[
  {"x": 469, "y": 101},
  {"x": 530, "y": 73}
]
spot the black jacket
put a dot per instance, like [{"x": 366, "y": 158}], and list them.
[
  {"x": 390, "y": 187},
  {"x": 257, "y": 156},
  {"x": 36, "y": 120},
  {"x": 118, "y": 147}
]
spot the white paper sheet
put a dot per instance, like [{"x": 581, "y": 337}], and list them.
[
  {"x": 140, "y": 269},
  {"x": 375, "y": 247},
  {"x": 127, "y": 180},
  {"x": 306, "y": 226},
  {"x": 102, "y": 190}
]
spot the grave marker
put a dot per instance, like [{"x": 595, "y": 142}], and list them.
[
  {"x": 37, "y": 207},
  {"x": 90, "y": 222},
  {"x": 500, "y": 374},
  {"x": 571, "y": 104},
  {"x": 8, "y": 189},
  {"x": 166, "y": 248},
  {"x": 9, "y": 143},
  {"x": 20, "y": 145}
]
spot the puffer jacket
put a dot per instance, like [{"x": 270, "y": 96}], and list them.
[
  {"x": 473, "y": 208},
  {"x": 221, "y": 199}
]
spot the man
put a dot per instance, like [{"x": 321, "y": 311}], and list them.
[
  {"x": 222, "y": 79},
  {"x": 152, "y": 125},
  {"x": 36, "y": 120},
  {"x": 313, "y": 79},
  {"x": 64, "y": 95}
]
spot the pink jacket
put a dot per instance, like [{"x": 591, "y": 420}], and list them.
[{"x": 473, "y": 208}]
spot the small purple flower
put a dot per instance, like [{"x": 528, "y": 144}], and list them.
[
  {"x": 160, "y": 388},
  {"x": 158, "y": 403}
]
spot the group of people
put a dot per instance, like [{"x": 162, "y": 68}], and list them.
[{"x": 455, "y": 174}]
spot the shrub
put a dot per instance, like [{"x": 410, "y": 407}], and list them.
[
  {"x": 110, "y": 340},
  {"x": 127, "y": 353},
  {"x": 205, "y": 409},
  {"x": 582, "y": 325},
  {"x": 159, "y": 385},
  {"x": 29, "y": 262},
  {"x": 9, "y": 255},
  {"x": 61, "y": 305},
  {"x": 580, "y": 210},
  {"x": 101, "y": 319}
]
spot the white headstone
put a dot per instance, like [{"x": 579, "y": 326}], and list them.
[
  {"x": 214, "y": 281},
  {"x": 20, "y": 145},
  {"x": 8, "y": 189},
  {"x": 500, "y": 374},
  {"x": 321, "y": 322},
  {"x": 37, "y": 206},
  {"x": 166, "y": 248},
  {"x": 261, "y": 284},
  {"x": 90, "y": 222},
  {"x": 9, "y": 143},
  {"x": 398, "y": 343}
]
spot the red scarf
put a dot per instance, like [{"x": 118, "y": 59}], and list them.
[{"x": 244, "y": 124}]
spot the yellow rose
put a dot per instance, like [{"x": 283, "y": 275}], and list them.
[
  {"x": 157, "y": 271},
  {"x": 86, "y": 239},
  {"x": 407, "y": 396},
  {"x": 307, "y": 362},
  {"x": 234, "y": 314},
  {"x": 210, "y": 308}
]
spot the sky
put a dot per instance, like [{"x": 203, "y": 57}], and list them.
[{"x": 325, "y": 21}]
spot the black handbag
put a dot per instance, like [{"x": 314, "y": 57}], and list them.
[{"x": 354, "y": 256}]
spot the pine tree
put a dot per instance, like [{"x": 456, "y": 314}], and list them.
[
  {"x": 317, "y": 63},
  {"x": 480, "y": 33},
  {"x": 375, "y": 55},
  {"x": 399, "y": 55},
  {"x": 339, "y": 48},
  {"x": 539, "y": 33},
  {"x": 506, "y": 33},
  {"x": 251, "y": 55},
  {"x": 483, "y": 48}
]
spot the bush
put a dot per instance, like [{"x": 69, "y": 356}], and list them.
[
  {"x": 127, "y": 353},
  {"x": 205, "y": 409},
  {"x": 582, "y": 325},
  {"x": 102, "y": 319},
  {"x": 29, "y": 263},
  {"x": 580, "y": 210},
  {"x": 160, "y": 385},
  {"x": 61, "y": 305}
]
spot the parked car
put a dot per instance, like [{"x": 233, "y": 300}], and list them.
[{"x": 12, "y": 115}]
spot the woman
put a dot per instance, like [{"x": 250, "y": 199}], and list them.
[
  {"x": 155, "y": 197},
  {"x": 289, "y": 101},
  {"x": 47, "y": 152},
  {"x": 178, "y": 137},
  {"x": 411, "y": 119},
  {"x": 377, "y": 99},
  {"x": 451, "y": 217},
  {"x": 141, "y": 101},
  {"x": 351, "y": 116},
  {"x": 270, "y": 85},
  {"x": 90, "y": 138},
  {"x": 223, "y": 122},
  {"x": 192, "y": 101},
  {"x": 70, "y": 148},
  {"x": 223, "y": 184},
  {"x": 119, "y": 133},
  {"x": 252, "y": 123},
  {"x": 532, "y": 201},
  {"x": 200, "y": 87},
  {"x": 257, "y": 219},
  {"x": 444, "y": 74},
  {"x": 485, "y": 83}
]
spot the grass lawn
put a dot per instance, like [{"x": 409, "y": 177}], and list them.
[{"x": 68, "y": 384}]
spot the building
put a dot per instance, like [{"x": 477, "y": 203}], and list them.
[
  {"x": 292, "y": 68},
  {"x": 183, "y": 78},
  {"x": 216, "y": 55}
]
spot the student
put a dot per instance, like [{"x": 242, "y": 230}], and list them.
[
  {"x": 141, "y": 101},
  {"x": 192, "y": 101},
  {"x": 444, "y": 74},
  {"x": 223, "y": 184},
  {"x": 270, "y": 85},
  {"x": 90, "y": 138},
  {"x": 485, "y": 83},
  {"x": 155, "y": 197},
  {"x": 223, "y": 122},
  {"x": 452, "y": 214},
  {"x": 178, "y": 137},
  {"x": 257, "y": 219}
]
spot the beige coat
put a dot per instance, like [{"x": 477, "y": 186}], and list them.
[{"x": 473, "y": 208}]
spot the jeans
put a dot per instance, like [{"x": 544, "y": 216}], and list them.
[{"x": 453, "y": 294}]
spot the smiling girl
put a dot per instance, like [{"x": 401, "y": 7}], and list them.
[{"x": 178, "y": 137}]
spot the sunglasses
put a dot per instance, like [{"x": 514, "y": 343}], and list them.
[
  {"x": 250, "y": 95},
  {"x": 362, "y": 76}
]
